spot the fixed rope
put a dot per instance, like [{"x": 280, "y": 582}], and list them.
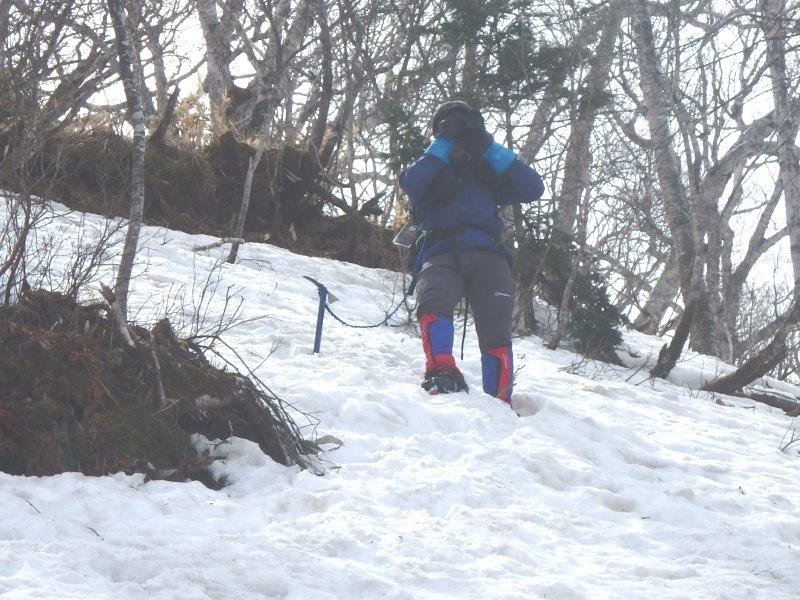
[
  {"x": 324, "y": 294},
  {"x": 393, "y": 312}
]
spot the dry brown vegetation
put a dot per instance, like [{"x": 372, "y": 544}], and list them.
[
  {"x": 76, "y": 397},
  {"x": 200, "y": 190}
]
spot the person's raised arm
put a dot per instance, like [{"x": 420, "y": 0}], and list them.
[
  {"x": 519, "y": 182},
  {"x": 416, "y": 179},
  {"x": 516, "y": 181}
]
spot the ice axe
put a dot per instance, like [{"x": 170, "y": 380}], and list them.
[{"x": 324, "y": 297}]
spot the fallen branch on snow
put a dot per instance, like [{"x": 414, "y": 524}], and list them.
[{"x": 218, "y": 243}]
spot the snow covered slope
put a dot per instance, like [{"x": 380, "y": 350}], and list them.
[{"x": 609, "y": 486}]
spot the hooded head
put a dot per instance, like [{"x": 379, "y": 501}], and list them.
[{"x": 445, "y": 109}]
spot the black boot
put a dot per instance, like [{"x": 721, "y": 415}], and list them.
[{"x": 443, "y": 381}]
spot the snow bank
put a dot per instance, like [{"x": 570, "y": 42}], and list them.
[{"x": 609, "y": 486}]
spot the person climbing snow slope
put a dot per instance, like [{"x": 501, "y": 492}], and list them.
[{"x": 456, "y": 189}]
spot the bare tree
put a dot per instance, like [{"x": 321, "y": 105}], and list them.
[
  {"x": 775, "y": 17},
  {"x": 252, "y": 165},
  {"x": 578, "y": 158},
  {"x": 680, "y": 216},
  {"x": 49, "y": 67},
  {"x": 126, "y": 60}
]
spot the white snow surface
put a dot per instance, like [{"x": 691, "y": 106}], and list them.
[{"x": 609, "y": 485}]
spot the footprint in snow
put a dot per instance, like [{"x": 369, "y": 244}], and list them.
[{"x": 527, "y": 404}]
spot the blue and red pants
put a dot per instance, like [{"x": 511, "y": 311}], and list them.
[{"x": 485, "y": 278}]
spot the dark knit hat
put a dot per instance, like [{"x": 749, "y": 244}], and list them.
[{"x": 444, "y": 109}]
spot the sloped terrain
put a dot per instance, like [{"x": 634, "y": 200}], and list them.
[{"x": 609, "y": 485}]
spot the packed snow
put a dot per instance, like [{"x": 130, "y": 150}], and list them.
[{"x": 606, "y": 485}]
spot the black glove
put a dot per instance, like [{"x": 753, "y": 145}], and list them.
[{"x": 477, "y": 141}]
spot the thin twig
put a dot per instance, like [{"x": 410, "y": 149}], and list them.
[{"x": 32, "y": 506}]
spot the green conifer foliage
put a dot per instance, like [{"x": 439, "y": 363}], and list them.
[
  {"x": 593, "y": 321},
  {"x": 407, "y": 141}
]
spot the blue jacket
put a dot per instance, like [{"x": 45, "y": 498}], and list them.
[{"x": 467, "y": 216}]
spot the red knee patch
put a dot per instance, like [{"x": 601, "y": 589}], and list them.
[{"x": 506, "y": 374}]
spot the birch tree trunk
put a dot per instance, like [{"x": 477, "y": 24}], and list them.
[
  {"x": 538, "y": 131},
  {"x": 774, "y": 25},
  {"x": 535, "y": 138},
  {"x": 323, "y": 98},
  {"x": 137, "y": 120},
  {"x": 660, "y": 298},
  {"x": 677, "y": 204},
  {"x": 238, "y": 230},
  {"x": 217, "y": 34},
  {"x": 578, "y": 157},
  {"x": 768, "y": 358},
  {"x": 578, "y": 259}
]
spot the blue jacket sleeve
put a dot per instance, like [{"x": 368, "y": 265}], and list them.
[
  {"x": 416, "y": 179},
  {"x": 520, "y": 184}
]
